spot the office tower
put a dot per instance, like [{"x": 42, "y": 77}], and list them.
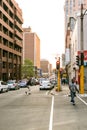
[
  {"x": 31, "y": 47},
  {"x": 10, "y": 40}
]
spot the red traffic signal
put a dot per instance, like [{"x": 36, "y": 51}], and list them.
[{"x": 58, "y": 64}]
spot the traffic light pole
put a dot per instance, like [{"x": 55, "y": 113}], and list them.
[
  {"x": 58, "y": 88},
  {"x": 82, "y": 56},
  {"x": 58, "y": 83}
]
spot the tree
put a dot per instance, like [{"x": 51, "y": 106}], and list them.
[{"x": 27, "y": 69}]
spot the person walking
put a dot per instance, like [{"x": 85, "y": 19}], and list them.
[
  {"x": 28, "y": 87},
  {"x": 73, "y": 88}
]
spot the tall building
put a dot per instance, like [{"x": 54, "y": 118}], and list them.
[
  {"x": 31, "y": 47},
  {"x": 10, "y": 40},
  {"x": 72, "y": 10},
  {"x": 76, "y": 38},
  {"x": 46, "y": 67}
]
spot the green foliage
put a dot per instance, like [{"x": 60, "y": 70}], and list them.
[{"x": 27, "y": 69}]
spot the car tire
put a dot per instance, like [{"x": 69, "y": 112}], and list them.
[{"x": 1, "y": 90}]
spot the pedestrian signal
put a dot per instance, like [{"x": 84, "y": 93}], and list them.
[{"x": 77, "y": 60}]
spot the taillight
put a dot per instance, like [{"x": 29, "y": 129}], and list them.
[{"x": 13, "y": 84}]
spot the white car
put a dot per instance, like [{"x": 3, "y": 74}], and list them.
[
  {"x": 12, "y": 85},
  {"x": 45, "y": 85},
  {"x": 3, "y": 87}
]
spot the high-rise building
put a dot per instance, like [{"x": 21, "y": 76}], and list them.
[
  {"x": 10, "y": 40},
  {"x": 46, "y": 67},
  {"x": 75, "y": 37},
  {"x": 31, "y": 47},
  {"x": 72, "y": 10}
]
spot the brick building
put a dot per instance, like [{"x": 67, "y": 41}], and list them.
[
  {"x": 10, "y": 40},
  {"x": 46, "y": 67},
  {"x": 31, "y": 47}
]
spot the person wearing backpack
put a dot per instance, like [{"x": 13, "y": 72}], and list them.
[{"x": 73, "y": 88}]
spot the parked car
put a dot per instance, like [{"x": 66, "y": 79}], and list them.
[
  {"x": 12, "y": 85},
  {"x": 34, "y": 81},
  {"x": 54, "y": 82},
  {"x": 22, "y": 83},
  {"x": 46, "y": 85},
  {"x": 3, "y": 87}
]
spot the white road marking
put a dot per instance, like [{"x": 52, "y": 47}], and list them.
[
  {"x": 51, "y": 114},
  {"x": 82, "y": 100}
]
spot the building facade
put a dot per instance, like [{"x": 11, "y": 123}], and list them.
[
  {"x": 46, "y": 67},
  {"x": 77, "y": 44},
  {"x": 10, "y": 40},
  {"x": 72, "y": 9},
  {"x": 31, "y": 47}
]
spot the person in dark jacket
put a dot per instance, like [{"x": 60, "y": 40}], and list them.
[
  {"x": 28, "y": 87},
  {"x": 73, "y": 88},
  {"x": 29, "y": 82}
]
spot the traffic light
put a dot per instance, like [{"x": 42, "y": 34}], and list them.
[
  {"x": 77, "y": 60},
  {"x": 58, "y": 64},
  {"x": 82, "y": 58}
]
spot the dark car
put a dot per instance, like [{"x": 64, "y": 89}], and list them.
[{"x": 34, "y": 82}]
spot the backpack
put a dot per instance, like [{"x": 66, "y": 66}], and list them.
[{"x": 73, "y": 88}]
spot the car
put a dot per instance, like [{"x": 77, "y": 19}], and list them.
[
  {"x": 45, "y": 85},
  {"x": 54, "y": 82},
  {"x": 22, "y": 83},
  {"x": 12, "y": 85},
  {"x": 41, "y": 79},
  {"x": 3, "y": 87},
  {"x": 34, "y": 81}
]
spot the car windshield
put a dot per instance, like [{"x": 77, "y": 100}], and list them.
[
  {"x": 3, "y": 83},
  {"x": 23, "y": 82},
  {"x": 11, "y": 82}
]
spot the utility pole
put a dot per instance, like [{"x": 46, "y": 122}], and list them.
[{"x": 82, "y": 55}]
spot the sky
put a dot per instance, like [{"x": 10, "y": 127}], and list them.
[{"x": 46, "y": 19}]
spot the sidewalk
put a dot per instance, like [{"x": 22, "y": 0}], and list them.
[
  {"x": 65, "y": 91},
  {"x": 66, "y": 115}
]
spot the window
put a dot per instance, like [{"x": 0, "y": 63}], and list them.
[
  {"x": 80, "y": 2},
  {"x": 73, "y": 3}
]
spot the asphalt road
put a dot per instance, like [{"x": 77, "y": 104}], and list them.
[{"x": 42, "y": 110}]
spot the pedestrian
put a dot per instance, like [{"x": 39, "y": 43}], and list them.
[
  {"x": 28, "y": 92},
  {"x": 73, "y": 89}
]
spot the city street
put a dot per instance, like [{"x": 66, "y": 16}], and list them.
[{"x": 42, "y": 110}]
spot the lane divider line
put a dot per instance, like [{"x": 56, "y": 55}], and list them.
[
  {"x": 51, "y": 114},
  {"x": 82, "y": 100}
]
